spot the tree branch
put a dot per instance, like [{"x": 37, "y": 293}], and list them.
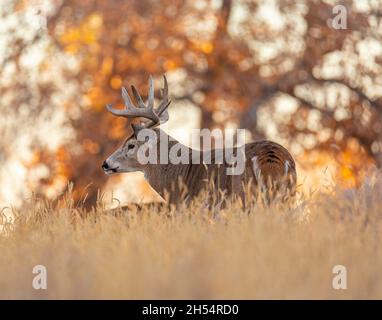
[{"x": 356, "y": 90}]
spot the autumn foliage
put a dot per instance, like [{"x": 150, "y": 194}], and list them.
[{"x": 248, "y": 63}]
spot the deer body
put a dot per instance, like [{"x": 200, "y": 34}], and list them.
[{"x": 266, "y": 163}]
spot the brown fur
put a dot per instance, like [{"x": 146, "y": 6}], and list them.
[{"x": 169, "y": 179}]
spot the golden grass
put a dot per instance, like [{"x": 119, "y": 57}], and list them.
[{"x": 196, "y": 253}]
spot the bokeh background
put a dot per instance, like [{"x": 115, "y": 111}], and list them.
[{"x": 275, "y": 68}]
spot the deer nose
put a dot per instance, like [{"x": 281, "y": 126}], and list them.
[{"x": 105, "y": 166}]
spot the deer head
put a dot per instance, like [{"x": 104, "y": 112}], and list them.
[{"x": 125, "y": 158}]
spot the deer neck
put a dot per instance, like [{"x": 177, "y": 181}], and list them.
[{"x": 163, "y": 176}]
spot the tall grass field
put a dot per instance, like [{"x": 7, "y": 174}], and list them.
[{"x": 153, "y": 251}]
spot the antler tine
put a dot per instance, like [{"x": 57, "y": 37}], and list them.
[
  {"x": 165, "y": 102},
  {"x": 126, "y": 98},
  {"x": 165, "y": 87},
  {"x": 128, "y": 104},
  {"x": 150, "y": 103},
  {"x": 137, "y": 96},
  {"x": 116, "y": 112},
  {"x": 162, "y": 108}
]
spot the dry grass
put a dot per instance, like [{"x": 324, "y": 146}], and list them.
[{"x": 194, "y": 253}]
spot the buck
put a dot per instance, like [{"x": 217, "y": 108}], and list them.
[{"x": 266, "y": 165}]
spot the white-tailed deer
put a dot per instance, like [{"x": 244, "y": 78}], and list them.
[{"x": 266, "y": 164}]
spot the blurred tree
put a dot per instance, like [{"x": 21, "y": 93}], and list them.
[
  {"x": 235, "y": 60},
  {"x": 33, "y": 119}
]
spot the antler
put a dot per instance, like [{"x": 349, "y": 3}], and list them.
[{"x": 157, "y": 116}]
